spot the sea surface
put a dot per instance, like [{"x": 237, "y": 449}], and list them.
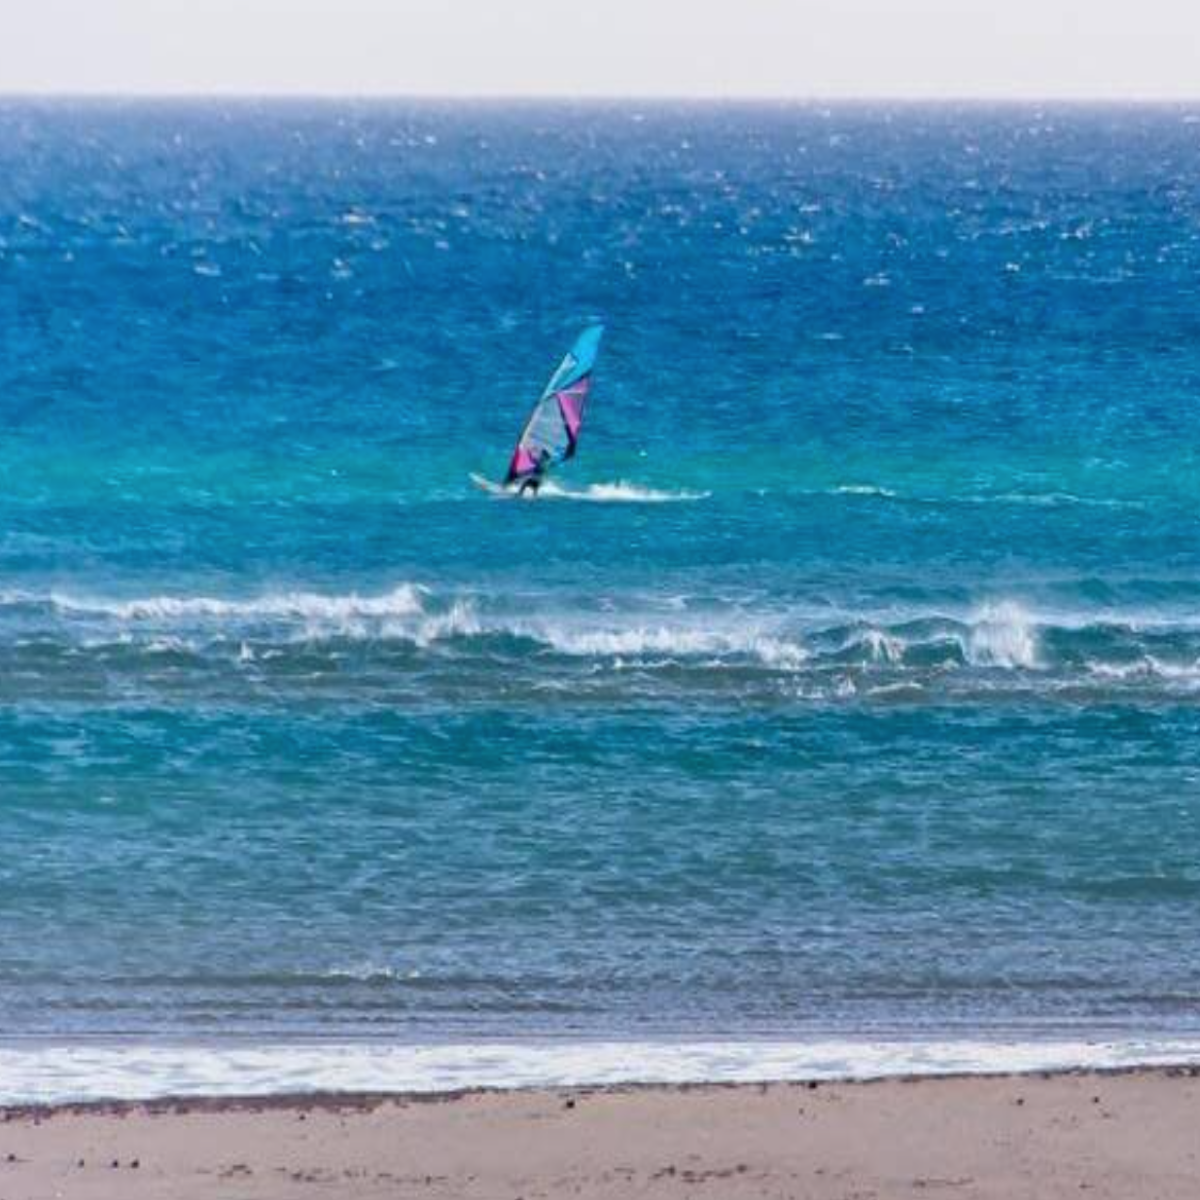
[{"x": 844, "y": 692}]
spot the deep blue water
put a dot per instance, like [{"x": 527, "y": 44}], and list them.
[{"x": 851, "y": 682}]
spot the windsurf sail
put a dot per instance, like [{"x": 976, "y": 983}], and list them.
[{"x": 551, "y": 434}]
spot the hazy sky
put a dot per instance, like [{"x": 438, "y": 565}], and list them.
[{"x": 1040, "y": 48}]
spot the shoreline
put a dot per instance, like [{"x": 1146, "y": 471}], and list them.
[
  {"x": 335, "y": 1101},
  {"x": 49, "y": 1073},
  {"x": 1125, "y": 1134}
]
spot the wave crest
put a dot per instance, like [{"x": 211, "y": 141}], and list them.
[
  {"x": 994, "y": 648},
  {"x": 401, "y": 601}
]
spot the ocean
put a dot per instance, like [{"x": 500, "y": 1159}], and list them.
[{"x": 837, "y": 710}]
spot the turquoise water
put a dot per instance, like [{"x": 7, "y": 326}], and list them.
[{"x": 847, "y": 685}]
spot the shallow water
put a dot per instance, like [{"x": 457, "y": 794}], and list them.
[{"x": 848, "y": 684}]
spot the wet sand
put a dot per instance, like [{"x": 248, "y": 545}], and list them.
[{"x": 1121, "y": 1136}]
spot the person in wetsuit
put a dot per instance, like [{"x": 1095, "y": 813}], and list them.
[{"x": 534, "y": 479}]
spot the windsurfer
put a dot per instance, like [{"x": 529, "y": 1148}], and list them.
[
  {"x": 551, "y": 433},
  {"x": 531, "y": 482}
]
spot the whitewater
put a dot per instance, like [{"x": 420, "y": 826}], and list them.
[{"x": 686, "y": 641}]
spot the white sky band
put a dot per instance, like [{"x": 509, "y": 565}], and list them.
[{"x": 1051, "y": 49}]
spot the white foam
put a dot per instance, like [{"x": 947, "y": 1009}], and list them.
[
  {"x": 673, "y": 641},
  {"x": 864, "y": 489},
  {"x": 1148, "y": 667},
  {"x": 168, "y": 645},
  {"x": 99, "y": 1071},
  {"x": 1053, "y": 500},
  {"x": 404, "y": 600},
  {"x": 367, "y": 972},
  {"x": 619, "y": 492}
]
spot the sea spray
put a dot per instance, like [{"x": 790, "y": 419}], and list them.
[{"x": 1003, "y": 635}]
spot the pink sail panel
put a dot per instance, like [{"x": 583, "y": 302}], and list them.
[
  {"x": 522, "y": 462},
  {"x": 571, "y": 400}
]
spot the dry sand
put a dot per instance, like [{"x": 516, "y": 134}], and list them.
[{"x": 1127, "y": 1136}]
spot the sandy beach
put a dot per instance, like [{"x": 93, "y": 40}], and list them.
[{"x": 1123, "y": 1136}]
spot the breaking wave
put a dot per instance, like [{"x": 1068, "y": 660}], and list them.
[{"x": 1002, "y": 645}]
